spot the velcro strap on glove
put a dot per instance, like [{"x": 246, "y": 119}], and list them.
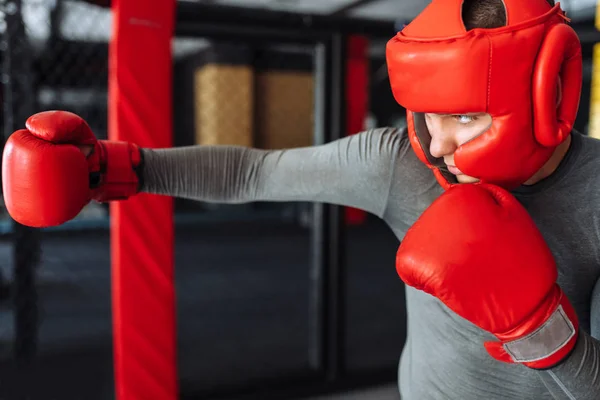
[
  {"x": 113, "y": 173},
  {"x": 545, "y": 347},
  {"x": 555, "y": 334}
]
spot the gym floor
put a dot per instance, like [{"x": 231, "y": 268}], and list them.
[
  {"x": 242, "y": 310},
  {"x": 387, "y": 392}
]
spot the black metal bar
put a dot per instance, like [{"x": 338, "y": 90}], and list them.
[
  {"x": 586, "y": 30},
  {"x": 337, "y": 271},
  {"x": 247, "y": 34},
  {"x": 56, "y": 18},
  {"x": 317, "y": 278},
  {"x": 99, "y": 3},
  {"x": 353, "y": 5},
  {"x": 245, "y": 17},
  {"x": 4, "y": 289},
  {"x": 327, "y": 298},
  {"x": 19, "y": 104}
]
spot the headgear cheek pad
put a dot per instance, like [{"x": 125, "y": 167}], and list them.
[{"x": 436, "y": 66}]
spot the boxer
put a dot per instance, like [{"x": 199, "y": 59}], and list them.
[{"x": 498, "y": 190}]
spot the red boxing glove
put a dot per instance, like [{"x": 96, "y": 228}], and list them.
[
  {"x": 47, "y": 179},
  {"x": 478, "y": 250}
]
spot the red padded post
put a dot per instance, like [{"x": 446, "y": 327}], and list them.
[
  {"x": 142, "y": 232},
  {"x": 357, "y": 101}
]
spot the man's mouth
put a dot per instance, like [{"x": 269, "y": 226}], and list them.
[{"x": 453, "y": 170}]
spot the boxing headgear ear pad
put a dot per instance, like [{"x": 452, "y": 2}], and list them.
[
  {"x": 559, "y": 56},
  {"x": 509, "y": 72}
]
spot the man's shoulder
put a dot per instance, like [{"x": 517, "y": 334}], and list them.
[
  {"x": 587, "y": 148},
  {"x": 390, "y": 133},
  {"x": 590, "y": 140},
  {"x": 391, "y": 138},
  {"x": 581, "y": 165}
]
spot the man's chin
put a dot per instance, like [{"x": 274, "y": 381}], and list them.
[{"x": 466, "y": 179}]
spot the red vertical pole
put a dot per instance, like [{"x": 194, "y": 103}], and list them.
[
  {"x": 142, "y": 227},
  {"x": 357, "y": 101}
]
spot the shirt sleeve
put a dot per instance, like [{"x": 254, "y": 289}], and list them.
[
  {"x": 578, "y": 376},
  {"x": 595, "y": 311},
  {"x": 354, "y": 171}
]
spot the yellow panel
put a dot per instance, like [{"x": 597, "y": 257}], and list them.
[
  {"x": 598, "y": 15},
  {"x": 594, "y": 129},
  {"x": 224, "y": 105},
  {"x": 284, "y": 109}
]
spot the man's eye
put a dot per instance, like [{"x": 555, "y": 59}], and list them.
[{"x": 464, "y": 119}]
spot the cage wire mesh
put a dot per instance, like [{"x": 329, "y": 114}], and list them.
[
  {"x": 54, "y": 56},
  {"x": 242, "y": 93},
  {"x": 65, "y": 47}
]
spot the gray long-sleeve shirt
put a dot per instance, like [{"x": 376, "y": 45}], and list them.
[{"x": 377, "y": 171}]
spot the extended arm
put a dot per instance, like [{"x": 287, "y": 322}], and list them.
[
  {"x": 55, "y": 166},
  {"x": 354, "y": 171}
]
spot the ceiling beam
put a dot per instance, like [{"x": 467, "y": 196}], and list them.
[
  {"x": 235, "y": 18},
  {"x": 346, "y": 9}
]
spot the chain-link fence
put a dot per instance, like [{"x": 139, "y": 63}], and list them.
[
  {"x": 59, "y": 57},
  {"x": 236, "y": 93},
  {"x": 243, "y": 282},
  {"x": 54, "y": 56}
]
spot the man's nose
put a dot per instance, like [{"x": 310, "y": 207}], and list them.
[{"x": 442, "y": 146}]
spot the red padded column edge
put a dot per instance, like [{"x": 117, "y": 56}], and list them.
[
  {"x": 357, "y": 101},
  {"x": 142, "y": 227}
]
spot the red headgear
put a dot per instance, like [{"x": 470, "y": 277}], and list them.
[{"x": 437, "y": 66}]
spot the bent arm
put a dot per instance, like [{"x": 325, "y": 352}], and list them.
[
  {"x": 354, "y": 171},
  {"x": 578, "y": 377},
  {"x": 595, "y": 311}
]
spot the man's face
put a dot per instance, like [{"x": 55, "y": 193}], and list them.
[{"x": 449, "y": 131}]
